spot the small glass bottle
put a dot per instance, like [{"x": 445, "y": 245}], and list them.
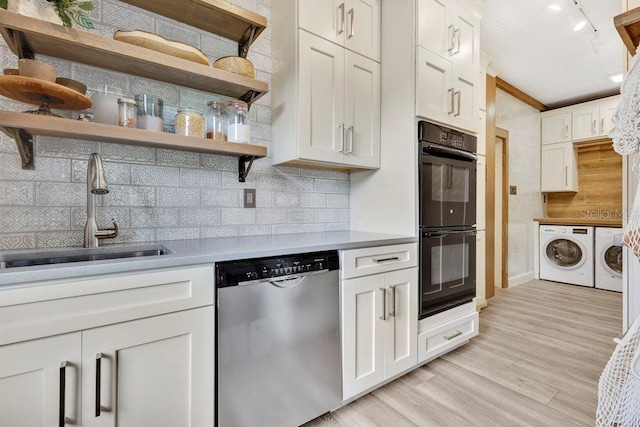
[
  {"x": 189, "y": 122},
  {"x": 150, "y": 110},
  {"x": 217, "y": 121},
  {"x": 127, "y": 112},
  {"x": 239, "y": 129}
]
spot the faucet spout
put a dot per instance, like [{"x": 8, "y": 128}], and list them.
[{"x": 96, "y": 184}]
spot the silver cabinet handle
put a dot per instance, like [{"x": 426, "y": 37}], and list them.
[
  {"x": 350, "y": 131},
  {"x": 451, "y": 96},
  {"x": 353, "y": 14},
  {"x": 452, "y": 43},
  {"x": 62, "y": 418},
  {"x": 384, "y": 304},
  {"x": 452, "y": 336},
  {"x": 601, "y": 125},
  {"x": 457, "y": 34},
  {"x": 393, "y": 258},
  {"x": 566, "y": 176},
  {"x": 392, "y": 312},
  {"x": 566, "y": 131},
  {"x": 341, "y": 9},
  {"x": 457, "y": 94},
  {"x": 341, "y": 127},
  {"x": 593, "y": 126}
]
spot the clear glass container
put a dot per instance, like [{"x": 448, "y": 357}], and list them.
[
  {"x": 217, "y": 121},
  {"x": 127, "y": 112},
  {"x": 239, "y": 129},
  {"x": 105, "y": 105},
  {"x": 149, "y": 112},
  {"x": 189, "y": 122}
]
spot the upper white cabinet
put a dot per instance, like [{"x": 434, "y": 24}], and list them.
[
  {"x": 448, "y": 64},
  {"x": 559, "y": 168},
  {"x": 593, "y": 119},
  {"x": 556, "y": 127},
  {"x": 327, "y": 103},
  {"x": 354, "y": 24}
]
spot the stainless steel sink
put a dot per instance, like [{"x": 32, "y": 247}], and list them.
[{"x": 24, "y": 259}]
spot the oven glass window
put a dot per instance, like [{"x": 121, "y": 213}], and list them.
[{"x": 449, "y": 263}]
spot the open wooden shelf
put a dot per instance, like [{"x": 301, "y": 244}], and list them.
[
  {"x": 628, "y": 26},
  {"x": 27, "y": 36},
  {"x": 214, "y": 16},
  {"x": 23, "y": 126}
]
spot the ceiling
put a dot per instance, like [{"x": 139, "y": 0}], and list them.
[{"x": 536, "y": 49}]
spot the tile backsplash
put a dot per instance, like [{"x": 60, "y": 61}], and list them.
[{"x": 159, "y": 194}]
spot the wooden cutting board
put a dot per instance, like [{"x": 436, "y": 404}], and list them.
[
  {"x": 160, "y": 44},
  {"x": 36, "y": 91}
]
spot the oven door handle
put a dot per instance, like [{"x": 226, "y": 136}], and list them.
[
  {"x": 441, "y": 151},
  {"x": 441, "y": 234}
]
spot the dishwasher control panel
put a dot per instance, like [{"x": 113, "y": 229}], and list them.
[{"x": 231, "y": 273}]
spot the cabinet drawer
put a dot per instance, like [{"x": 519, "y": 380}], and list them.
[
  {"x": 380, "y": 259},
  {"x": 437, "y": 341},
  {"x": 56, "y": 307}
]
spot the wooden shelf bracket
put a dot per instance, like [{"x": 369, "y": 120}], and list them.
[
  {"x": 243, "y": 168},
  {"x": 24, "y": 141}
]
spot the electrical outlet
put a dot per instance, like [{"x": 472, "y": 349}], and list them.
[{"x": 249, "y": 198}]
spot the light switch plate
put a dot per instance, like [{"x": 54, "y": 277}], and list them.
[
  {"x": 513, "y": 189},
  {"x": 249, "y": 198}
]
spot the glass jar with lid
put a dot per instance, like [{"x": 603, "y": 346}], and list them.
[
  {"x": 239, "y": 129},
  {"x": 189, "y": 122},
  {"x": 217, "y": 121},
  {"x": 127, "y": 112}
]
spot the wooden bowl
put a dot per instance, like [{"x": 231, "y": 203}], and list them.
[
  {"x": 37, "y": 70},
  {"x": 72, "y": 84},
  {"x": 237, "y": 65},
  {"x": 11, "y": 72}
]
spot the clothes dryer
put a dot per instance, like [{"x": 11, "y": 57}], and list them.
[
  {"x": 566, "y": 254},
  {"x": 608, "y": 261}
]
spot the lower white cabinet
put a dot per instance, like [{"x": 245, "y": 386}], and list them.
[
  {"x": 443, "y": 332},
  {"x": 379, "y": 328},
  {"x": 559, "y": 168}
]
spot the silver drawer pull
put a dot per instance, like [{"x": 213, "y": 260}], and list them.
[
  {"x": 452, "y": 336},
  {"x": 384, "y": 304},
  {"x": 394, "y": 258}
]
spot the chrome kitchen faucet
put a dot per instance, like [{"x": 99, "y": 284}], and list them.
[{"x": 96, "y": 184}]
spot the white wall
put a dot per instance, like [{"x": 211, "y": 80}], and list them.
[{"x": 523, "y": 124}]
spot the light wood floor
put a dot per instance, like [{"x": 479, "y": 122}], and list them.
[{"x": 536, "y": 362}]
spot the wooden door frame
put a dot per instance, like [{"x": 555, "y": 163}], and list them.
[
  {"x": 490, "y": 203},
  {"x": 503, "y": 136}
]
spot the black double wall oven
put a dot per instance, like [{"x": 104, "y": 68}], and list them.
[{"x": 447, "y": 205}]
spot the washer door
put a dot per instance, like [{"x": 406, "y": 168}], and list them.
[
  {"x": 612, "y": 260},
  {"x": 565, "y": 253}
]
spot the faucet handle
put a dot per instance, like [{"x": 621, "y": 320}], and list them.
[{"x": 108, "y": 233}]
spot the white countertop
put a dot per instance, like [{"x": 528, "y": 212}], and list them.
[{"x": 203, "y": 251}]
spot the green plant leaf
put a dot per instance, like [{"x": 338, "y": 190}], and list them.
[
  {"x": 3, "y": 4},
  {"x": 81, "y": 18},
  {"x": 86, "y": 5},
  {"x": 66, "y": 20}
]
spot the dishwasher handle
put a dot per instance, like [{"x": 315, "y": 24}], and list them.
[{"x": 279, "y": 281}]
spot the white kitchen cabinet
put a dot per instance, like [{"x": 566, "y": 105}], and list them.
[
  {"x": 353, "y": 24},
  {"x": 556, "y": 127},
  {"x": 334, "y": 116},
  {"x": 559, "y": 168},
  {"x": 593, "y": 119},
  {"x": 379, "y": 315},
  {"x": 450, "y": 31},
  {"x": 156, "y": 371},
  {"x": 31, "y": 394},
  {"x": 446, "y": 93},
  {"x": 445, "y": 331}
]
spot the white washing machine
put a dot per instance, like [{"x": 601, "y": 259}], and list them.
[
  {"x": 566, "y": 254},
  {"x": 608, "y": 259}
]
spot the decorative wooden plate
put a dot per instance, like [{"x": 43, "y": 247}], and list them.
[
  {"x": 38, "y": 92},
  {"x": 160, "y": 44}
]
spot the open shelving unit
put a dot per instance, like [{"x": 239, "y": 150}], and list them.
[
  {"x": 628, "y": 26},
  {"x": 28, "y": 36}
]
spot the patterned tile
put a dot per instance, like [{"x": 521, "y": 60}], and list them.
[
  {"x": 155, "y": 175},
  {"x": 344, "y": 215},
  {"x": 260, "y": 62},
  {"x": 154, "y": 217},
  {"x": 199, "y": 217},
  {"x": 33, "y": 219},
  {"x": 264, "y": 199},
  {"x": 178, "y": 33},
  {"x": 216, "y": 232},
  {"x": 295, "y": 216},
  {"x": 47, "y": 169},
  {"x": 286, "y": 170},
  {"x": 230, "y": 180},
  {"x": 97, "y": 78},
  {"x": 312, "y": 200},
  {"x": 125, "y": 195},
  {"x": 180, "y": 197},
  {"x": 261, "y": 132},
  {"x": 263, "y": 114},
  {"x": 17, "y": 241},
  {"x": 272, "y": 183},
  {"x": 343, "y": 187},
  {"x": 222, "y": 198},
  {"x": 215, "y": 47},
  {"x": 337, "y": 226},
  {"x": 177, "y": 233},
  {"x": 325, "y": 215},
  {"x": 134, "y": 236},
  {"x": 271, "y": 216},
  {"x": 337, "y": 201},
  {"x": 313, "y": 228},
  {"x": 302, "y": 184},
  {"x": 115, "y": 173},
  {"x": 16, "y": 193},
  {"x": 254, "y": 230},
  {"x": 61, "y": 194},
  {"x": 177, "y": 158},
  {"x": 126, "y": 17},
  {"x": 326, "y": 186},
  {"x": 286, "y": 200},
  {"x": 170, "y": 94},
  {"x": 60, "y": 239},
  {"x": 285, "y": 229},
  {"x": 238, "y": 216},
  {"x": 220, "y": 163},
  {"x": 128, "y": 153},
  {"x": 199, "y": 178},
  {"x": 104, "y": 216},
  {"x": 67, "y": 148}
]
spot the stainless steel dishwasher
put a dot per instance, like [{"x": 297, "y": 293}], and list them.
[{"x": 278, "y": 340}]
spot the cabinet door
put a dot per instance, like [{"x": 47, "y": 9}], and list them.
[
  {"x": 558, "y": 168},
  {"x": 363, "y": 27},
  {"x": 434, "y": 91},
  {"x": 607, "y": 110},
  {"x": 326, "y": 18},
  {"x": 401, "y": 351},
  {"x": 466, "y": 39},
  {"x": 30, "y": 381},
  {"x": 321, "y": 96},
  {"x": 362, "y": 333},
  {"x": 585, "y": 122},
  {"x": 481, "y": 182},
  {"x": 556, "y": 128},
  {"x": 434, "y": 32},
  {"x": 362, "y": 111},
  {"x": 156, "y": 371},
  {"x": 465, "y": 99}
]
